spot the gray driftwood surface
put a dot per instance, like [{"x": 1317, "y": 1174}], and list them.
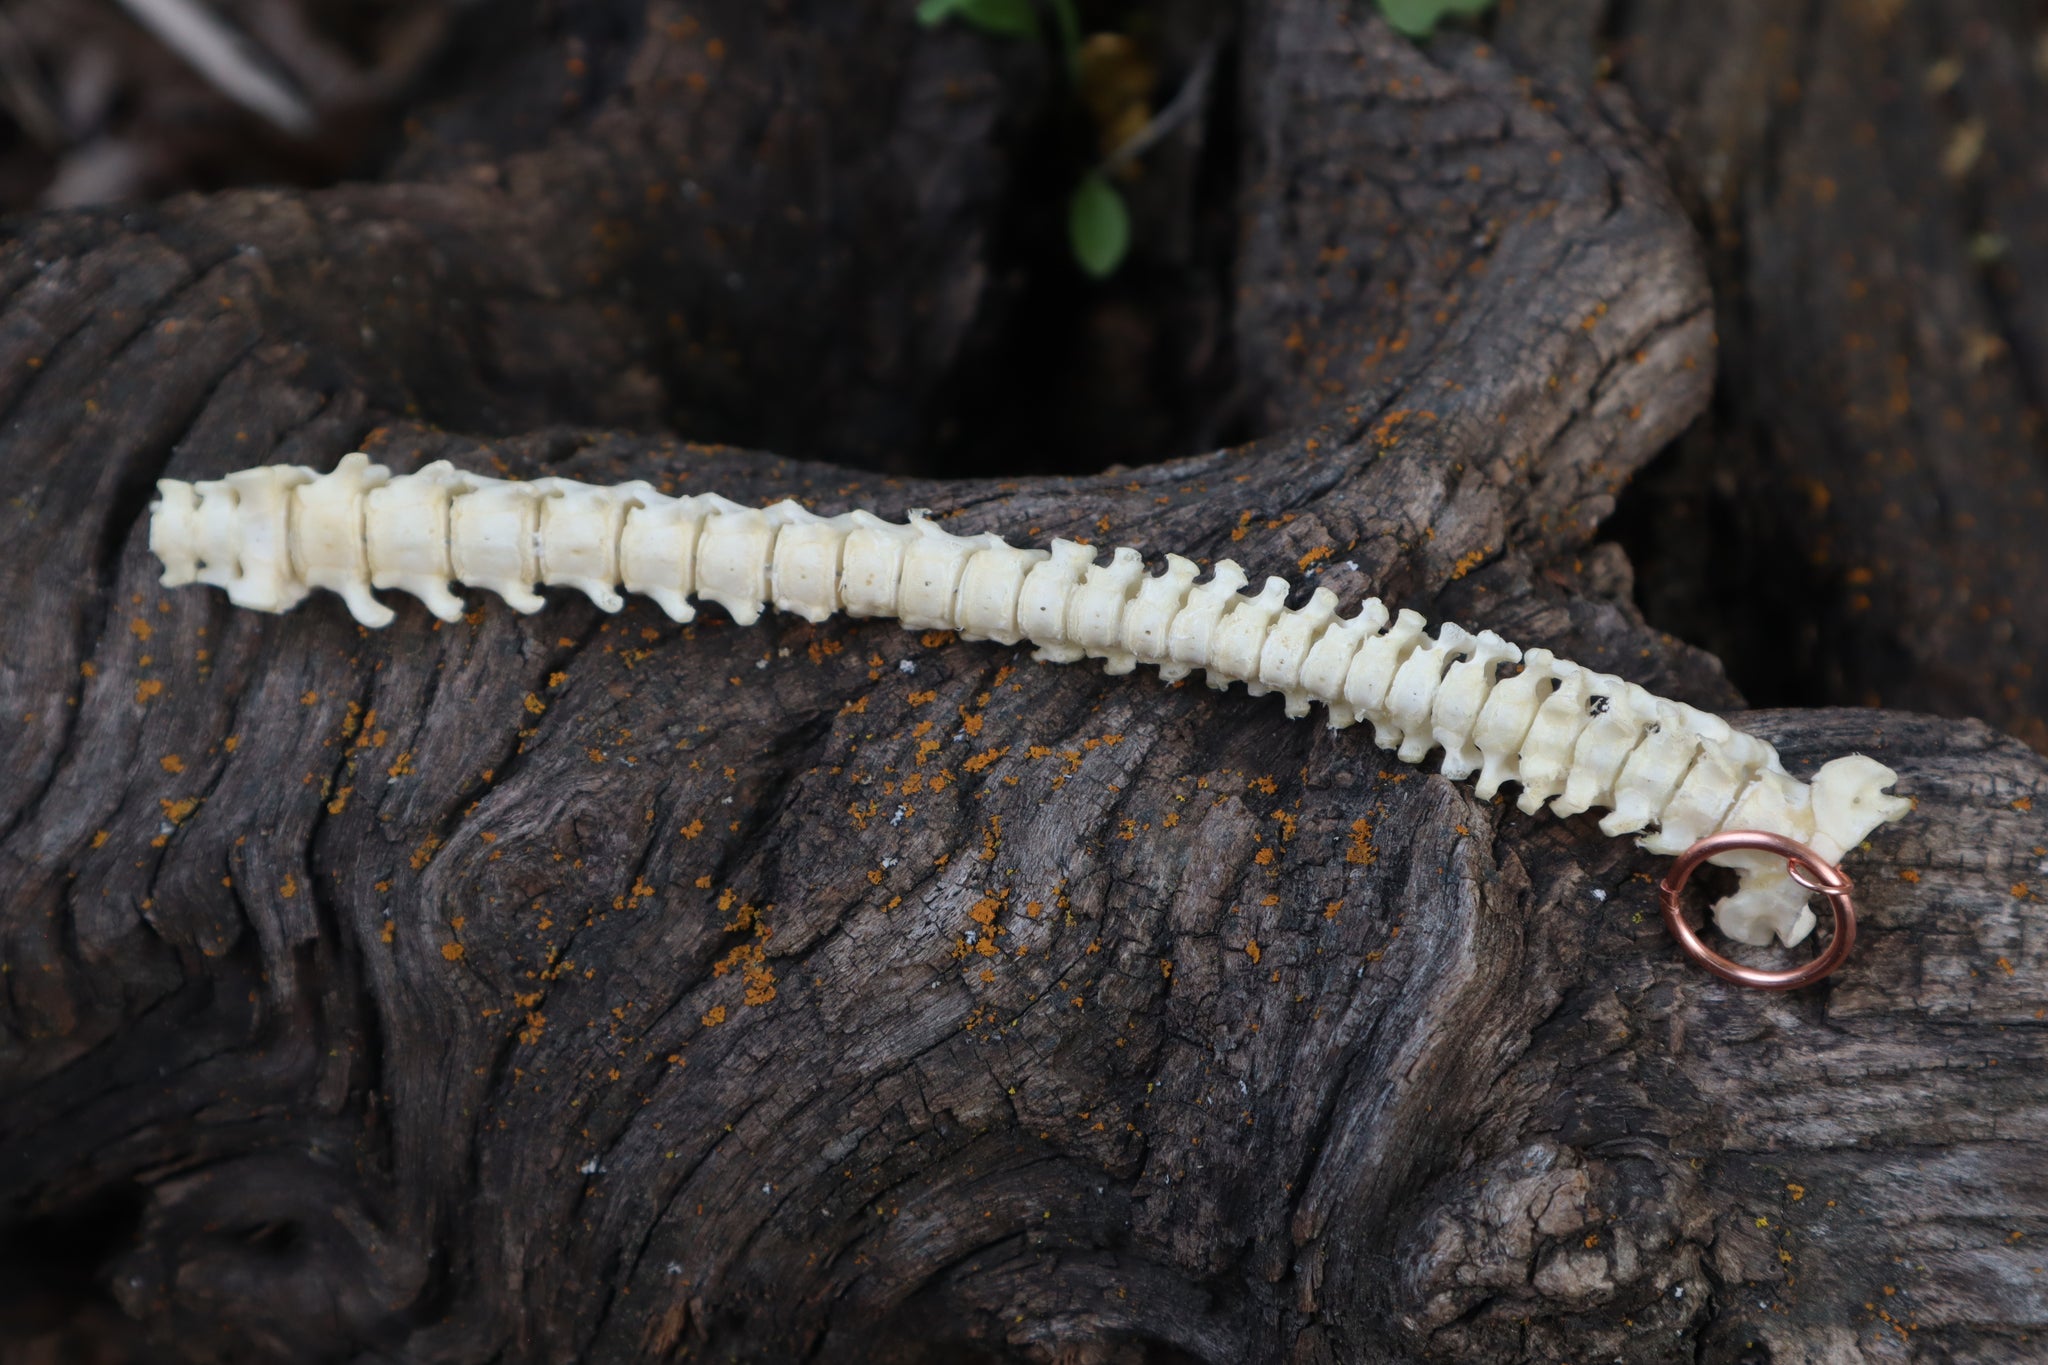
[{"x": 573, "y": 987}]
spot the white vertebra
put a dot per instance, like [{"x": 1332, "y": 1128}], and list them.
[{"x": 1567, "y": 737}]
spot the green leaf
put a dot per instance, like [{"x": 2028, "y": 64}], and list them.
[
  {"x": 1004, "y": 18},
  {"x": 1069, "y": 24},
  {"x": 1098, "y": 226},
  {"x": 1419, "y": 18}
]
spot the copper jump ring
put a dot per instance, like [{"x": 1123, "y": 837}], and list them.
[{"x": 1804, "y": 865}]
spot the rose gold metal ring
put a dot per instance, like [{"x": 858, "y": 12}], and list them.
[{"x": 1805, "y": 866}]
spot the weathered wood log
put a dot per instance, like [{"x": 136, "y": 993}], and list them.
[
  {"x": 1868, "y": 184},
  {"x": 579, "y": 987}
]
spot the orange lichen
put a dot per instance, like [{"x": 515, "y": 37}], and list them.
[{"x": 1470, "y": 560}]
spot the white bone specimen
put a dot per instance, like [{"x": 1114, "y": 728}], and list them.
[{"x": 1569, "y": 738}]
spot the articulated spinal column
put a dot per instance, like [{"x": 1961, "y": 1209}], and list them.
[{"x": 1569, "y": 737}]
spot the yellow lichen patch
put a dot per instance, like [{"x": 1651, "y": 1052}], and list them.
[
  {"x": 171, "y": 763},
  {"x": 982, "y": 760},
  {"x": 289, "y": 887},
  {"x": 1386, "y": 435},
  {"x": 147, "y": 689},
  {"x": 139, "y": 628},
  {"x": 310, "y": 699},
  {"x": 535, "y": 704},
  {"x": 451, "y": 951},
  {"x": 389, "y": 931},
  {"x": 424, "y": 854},
  {"x": 692, "y": 830},
  {"x": 1470, "y": 560},
  {"x": 99, "y": 838},
  {"x": 1313, "y": 557},
  {"x": 714, "y": 1017},
  {"x": 340, "y": 801},
  {"x": 920, "y": 698},
  {"x": 749, "y": 959},
  {"x": 1361, "y": 852},
  {"x": 401, "y": 766},
  {"x": 177, "y": 812},
  {"x": 1251, "y": 950}
]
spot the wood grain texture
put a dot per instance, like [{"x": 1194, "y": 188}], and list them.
[
  {"x": 1867, "y": 179},
  {"x": 583, "y": 987}
]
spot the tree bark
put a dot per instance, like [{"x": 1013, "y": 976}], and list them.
[
  {"x": 585, "y": 987},
  {"x": 1867, "y": 180}
]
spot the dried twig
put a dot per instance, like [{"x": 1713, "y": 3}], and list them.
[{"x": 224, "y": 57}]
